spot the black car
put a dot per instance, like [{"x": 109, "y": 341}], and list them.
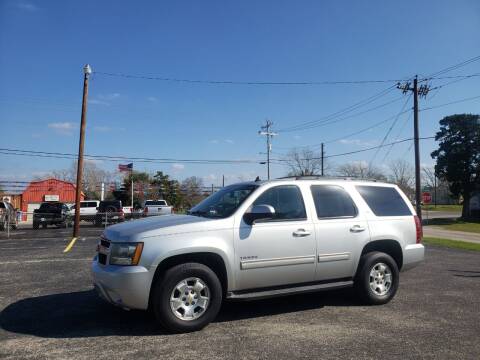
[
  {"x": 109, "y": 212},
  {"x": 52, "y": 213}
]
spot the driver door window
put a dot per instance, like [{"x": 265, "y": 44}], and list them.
[{"x": 286, "y": 200}]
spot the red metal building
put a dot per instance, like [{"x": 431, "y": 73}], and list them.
[{"x": 48, "y": 190}]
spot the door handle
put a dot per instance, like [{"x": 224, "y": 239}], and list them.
[
  {"x": 301, "y": 233},
  {"x": 357, "y": 228}
]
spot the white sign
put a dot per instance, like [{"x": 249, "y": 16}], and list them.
[{"x": 52, "y": 197}]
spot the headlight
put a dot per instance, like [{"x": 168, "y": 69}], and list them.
[{"x": 125, "y": 253}]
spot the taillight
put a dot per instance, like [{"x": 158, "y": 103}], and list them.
[
  {"x": 145, "y": 210},
  {"x": 418, "y": 228}
]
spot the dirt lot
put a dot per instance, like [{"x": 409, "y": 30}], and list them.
[{"x": 48, "y": 310}]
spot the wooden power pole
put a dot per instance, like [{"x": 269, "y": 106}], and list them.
[
  {"x": 86, "y": 73},
  {"x": 422, "y": 91}
]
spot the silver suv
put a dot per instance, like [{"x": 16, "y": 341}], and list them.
[{"x": 261, "y": 239}]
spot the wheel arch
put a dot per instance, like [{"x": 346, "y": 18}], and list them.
[
  {"x": 211, "y": 259},
  {"x": 387, "y": 246}
]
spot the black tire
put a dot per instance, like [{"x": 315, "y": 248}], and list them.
[
  {"x": 164, "y": 286},
  {"x": 362, "y": 280},
  {"x": 44, "y": 226},
  {"x": 35, "y": 225}
]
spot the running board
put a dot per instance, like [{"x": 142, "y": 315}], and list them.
[{"x": 263, "y": 294}]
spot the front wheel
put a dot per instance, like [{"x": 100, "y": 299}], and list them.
[
  {"x": 187, "y": 298},
  {"x": 377, "y": 278}
]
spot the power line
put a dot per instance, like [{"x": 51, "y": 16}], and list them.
[
  {"x": 22, "y": 152},
  {"x": 338, "y": 113},
  {"x": 233, "y": 82},
  {"x": 391, "y": 128}
]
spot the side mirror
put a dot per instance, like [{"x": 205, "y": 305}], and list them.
[{"x": 259, "y": 212}]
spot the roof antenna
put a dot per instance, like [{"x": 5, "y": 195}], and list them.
[{"x": 257, "y": 178}]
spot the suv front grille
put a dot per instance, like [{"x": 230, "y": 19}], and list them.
[
  {"x": 102, "y": 259},
  {"x": 105, "y": 243}
]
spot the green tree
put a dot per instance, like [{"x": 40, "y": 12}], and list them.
[
  {"x": 458, "y": 156},
  {"x": 167, "y": 189},
  {"x": 141, "y": 189}
]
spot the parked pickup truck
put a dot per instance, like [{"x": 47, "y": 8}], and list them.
[
  {"x": 156, "y": 207},
  {"x": 261, "y": 239},
  {"x": 52, "y": 213}
]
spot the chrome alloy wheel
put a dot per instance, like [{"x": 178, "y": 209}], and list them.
[
  {"x": 190, "y": 299},
  {"x": 380, "y": 279}
]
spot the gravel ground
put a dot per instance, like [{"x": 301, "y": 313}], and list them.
[{"x": 48, "y": 310}]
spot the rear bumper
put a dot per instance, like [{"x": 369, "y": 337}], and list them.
[
  {"x": 124, "y": 286},
  {"x": 412, "y": 256}
]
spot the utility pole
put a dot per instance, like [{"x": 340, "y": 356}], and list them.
[
  {"x": 223, "y": 180},
  {"x": 132, "y": 190},
  {"x": 266, "y": 130},
  {"x": 322, "y": 156},
  {"x": 422, "y": 91},
  {"x": 87, "y": 70}
]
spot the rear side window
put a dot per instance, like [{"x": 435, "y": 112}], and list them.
[
  {"x": 287, "y": 201},
  {"x": 155, "y": 203},
  {"x": 332, "y": 201},
  {"x": 384, "y": 201}
]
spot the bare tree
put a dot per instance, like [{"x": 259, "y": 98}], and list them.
[
  {"x": 304, "y": 162},
  {"x": 361, "y": 170},
  {"x": 439, "y": 186},
  {"x": 192, "y": 189},
  {"x": 402, "y": 174}
]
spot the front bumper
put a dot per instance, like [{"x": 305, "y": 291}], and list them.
[
  {"x": 124, "y": 286},
  {"x": 412, "y": 256}
]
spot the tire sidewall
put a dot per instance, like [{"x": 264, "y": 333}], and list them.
[
  {"x": 363, "y": 278},
  {"x": 165, "y": 286}
]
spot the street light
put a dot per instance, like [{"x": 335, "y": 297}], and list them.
[{"x": 87, "y": 70}]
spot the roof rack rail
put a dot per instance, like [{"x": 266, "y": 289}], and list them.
[{"x": 317, "y": 177}]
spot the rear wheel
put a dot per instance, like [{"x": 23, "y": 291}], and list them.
[
  {"x": 44, "y": 225},
  {"x": 377, "y": 278},
  {"x": 35, "y": 225},
  {"x": 187, "y": 298}
]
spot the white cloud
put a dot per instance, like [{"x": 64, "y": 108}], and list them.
[
  {"x": 27, "y": 6},
  {"x": 98, "y": 102},
  {"x": 64, "y": 128},
  {"x": 152, "y": 99},
  {"x": 178, "y": 167},
  {"x": 104, "y": 99},
  {"x": 356, "y": 142},
  {"x": 217, "y": 141},
  {"x": 102, "y": 128}
]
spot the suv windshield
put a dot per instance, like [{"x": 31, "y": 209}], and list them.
[
  {"x": 48, "y": 206},
  {"x": 223, "y": 203}
]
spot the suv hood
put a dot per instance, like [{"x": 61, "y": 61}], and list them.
[{"x": 158, "y": 225}]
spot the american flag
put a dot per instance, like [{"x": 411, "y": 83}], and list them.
[{"x": 126, "y": 167}]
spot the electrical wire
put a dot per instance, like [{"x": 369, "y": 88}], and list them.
[{"x": 233, "y": 82}]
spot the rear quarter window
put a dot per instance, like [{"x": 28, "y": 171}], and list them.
[{"x": 384, "y": 201}]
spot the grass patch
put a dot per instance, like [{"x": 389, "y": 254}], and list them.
[
  {"x": 455, "y": 225},
  {"x": 454, "y": 244},
  {"x": 442, "y": 208}
]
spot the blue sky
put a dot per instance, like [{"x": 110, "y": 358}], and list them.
[{"x": 44, "y": 44}]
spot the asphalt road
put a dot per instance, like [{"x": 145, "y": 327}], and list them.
[{"x": 48, "y": 310}]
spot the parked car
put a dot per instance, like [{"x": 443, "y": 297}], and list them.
[
  {"x": 52, "y": 213},
  {"x": 261, "y": 239},
  {"x": 88, "y": 210},
  {"x": 8, "y": 216},
  {"x": 109, "y": 212},
  {"x": 156, "y": 207}
]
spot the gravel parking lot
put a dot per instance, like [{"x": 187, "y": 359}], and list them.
[{"x": 49, "y": 310}]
